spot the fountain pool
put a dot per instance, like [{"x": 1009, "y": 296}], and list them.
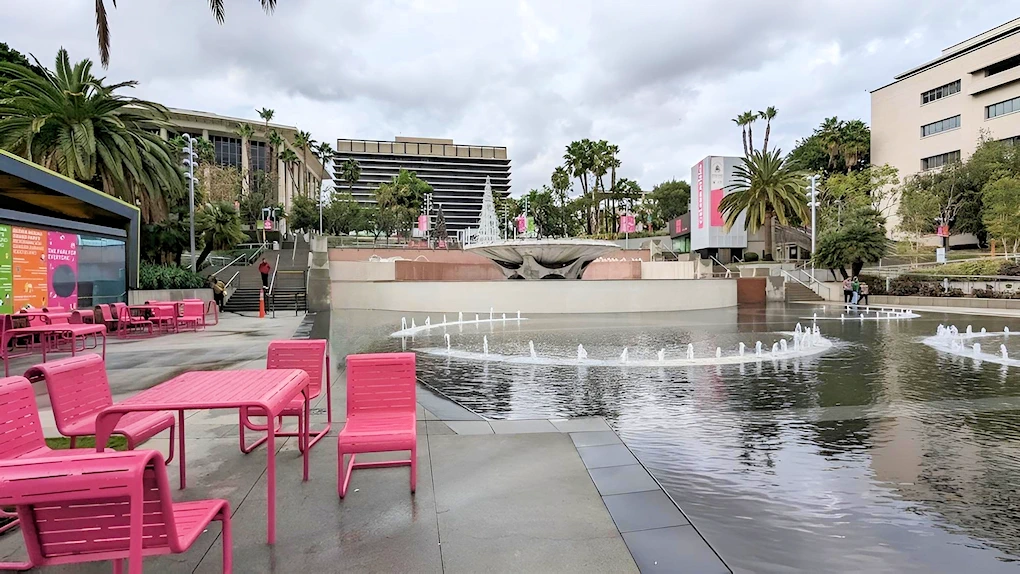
[{"x": 879, "y": 454}]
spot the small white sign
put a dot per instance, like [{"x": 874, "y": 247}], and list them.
[{"x": 940, "y": 255}]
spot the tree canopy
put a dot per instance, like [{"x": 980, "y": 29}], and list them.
[
  {"x": 836, "y": 146},
  {"x": 669, "y": 200},
  {"x": 399, "y": 201},
  {"x": 861, "y": 239},
  {"x": 1001, "y": 199}
]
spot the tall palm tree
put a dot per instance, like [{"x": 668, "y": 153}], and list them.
[
  {"x": 71, "y": 122},
  {"x": 326, "y": 155},
  {"x": 831, "y": 135},
  {"x": 855, "y": 144},
  {"x": 276, "y": 146},
  {"x": 303, "y": 141},
  {"x": 750, "y": 117},
  {"x": 289, "y": 159},
  {"x": 103, "y": 26},
  {"x": 245, "y": 131},
  {"x": 742, "y": 121},
  {"x": 578, "y": 162},
  {"x": 765, "y": 186},
  {"x": 220, "y": 228},
  {"x": 350, "y": 172},
  {"x": 769, "y": 113}
]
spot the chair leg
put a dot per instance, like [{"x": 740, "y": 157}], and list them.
[
  {"x": 118, "y": 566},
  {"x": 414, "y": 467},
  {"x": 344, "y": 475},
  {"x": 170, "y": 456},
  {"x": 227, "y": 539},
  {"x": 73, "y": 439}
]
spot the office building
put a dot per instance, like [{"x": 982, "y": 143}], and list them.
[
  {"x": 251, "y": 155},
  {"x": 937, "y": 112},
  {"x": 456, "y": 172}
]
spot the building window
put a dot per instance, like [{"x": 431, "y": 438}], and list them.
[
  {"x": 228, "y": 150},
  {"x": 257, "y": 155},
  {"x": 940, "y": 126},
  {"x": 940, "y": 92},
  {"x": 1007, "y": 64},
  {"x": 1002, "y": 108},
  {"x": 939, "y": 160},
  {"x": 1015, "y": 140}
]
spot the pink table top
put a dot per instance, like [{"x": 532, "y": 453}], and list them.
[
  {"x": 270, "y": 389},
  {"x": 76, "y": 328}
]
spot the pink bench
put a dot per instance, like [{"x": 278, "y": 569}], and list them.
[
  {"x": 381, "y": 417},
  {"x": 312, "y": 357},
  {"x": 79, "y": 390},
  {"x": 89, "y": 507}
]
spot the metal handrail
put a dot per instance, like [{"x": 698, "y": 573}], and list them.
[
  {"x": 828, "y": 292},
  {"x": 276, "y": 268},
  {"x": 720, "y": 264},
  {"x": 241, "y": 256},
  {"x": 231, "y": 280}
]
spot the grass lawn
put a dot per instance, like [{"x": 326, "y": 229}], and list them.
[{"x": 116, "y": 442}]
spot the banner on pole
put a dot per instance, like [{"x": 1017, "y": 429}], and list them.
[
  {"x": 627, "y": 224},
  {"x": 423, "y": 223}
]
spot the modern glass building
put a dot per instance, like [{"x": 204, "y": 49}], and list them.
[
  {"x": 62, "y": 243},
  {"x": 456, "y": 172}
]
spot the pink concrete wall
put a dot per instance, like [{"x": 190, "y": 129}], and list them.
[
  {"x": 432, "y": 271},
  {"x": 605, "y": 270}
]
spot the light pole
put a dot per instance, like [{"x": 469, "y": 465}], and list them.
[
  {"x": 189, "y": 162},
  {"x": 428, "y": 217},
  {"x": 814, "y": 205}
]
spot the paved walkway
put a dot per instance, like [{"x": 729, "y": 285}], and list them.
[
  {"x": 925, "y": 309},
  {"x": 492, "y": 496}
]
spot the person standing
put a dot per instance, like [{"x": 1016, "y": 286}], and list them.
[
  {"x": 846, "y": 290},
  {"x": 264, "y": 269},
  {"x": 864, "y": 293},
  {"x": 219, "y": 290},
  {"x": 855, "y": 286}
]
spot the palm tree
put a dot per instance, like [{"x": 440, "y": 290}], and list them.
[
  {"x": 750, "y": 117},
  {"x": 276, "y": 146},
  {"x": 220, "y": 228},
  {"x": 303, "y": 141},
  {"x": 831, "y": 135},
  {"x": 289, "y": 159},
  {"x": 71, "y": 122},
  {"x": 350, "y": 171},
  {"x": 103, "y": 26},
  {"x": 245, "y": 131},
  {"x": 769, "y": 113},
  {"x": 578, "y": 162},
  {"x": 326, "y": 155},
  {"x": 765, "y": 186},
  {"x": 742, "y": 121},
  {"x": 856, "y": 142}
]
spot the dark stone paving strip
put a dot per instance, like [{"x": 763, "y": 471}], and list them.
[{"x": 658, "y": 534}]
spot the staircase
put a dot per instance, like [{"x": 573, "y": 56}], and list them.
[
  {"x": 797, "y": 292},
  {"x": 288, "y": 288}
]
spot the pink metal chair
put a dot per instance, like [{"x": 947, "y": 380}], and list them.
[
  {"x": 311, "y": 356},
  {"x": 22, "y": 438},
  {"x": 380, "y": 413},
  {"x": 192, "y": 314},
  {"x": 107, "y": 317},
  {"x": 6, "y": 323},
  {"x": 126, "y": 322},
  {"x": 89, "y": 507},
  {"x": 79, "y": 390}
]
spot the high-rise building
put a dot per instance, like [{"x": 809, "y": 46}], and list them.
[
  {"x": 936, "y": 113},
  {"x": 456, "y": 172}
]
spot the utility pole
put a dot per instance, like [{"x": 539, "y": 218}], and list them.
[
  {"x": 814, "y": 205},
  {"x": 428, "y": 218},
  {"x": 189, "y": 162}
]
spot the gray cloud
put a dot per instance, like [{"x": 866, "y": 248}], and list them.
[{"x": 660, "y": 78}]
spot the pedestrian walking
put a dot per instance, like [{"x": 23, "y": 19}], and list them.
[
  {"x": 846, "y": 290},
  {"x": 264, "y": 269},
  {"x": 219, "y": 290}
]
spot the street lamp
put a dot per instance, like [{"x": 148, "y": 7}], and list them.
[
  {"x": 190, "y": 158},
  {"x": 814, "y": 205},
  {"x": 428, "y": 217}
]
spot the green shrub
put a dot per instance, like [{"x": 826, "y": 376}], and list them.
[
  {"x": 750, "y": 256},
  {"x": 152, "y": 276}
]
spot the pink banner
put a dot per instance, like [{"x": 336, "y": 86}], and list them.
[
  {"x": 701, "y": 195},
  {"x": 423, "y": 223},
  {"x": 62, "y": 269},
  {"x": 522, "y": 224},
  {"x": 717, "y": 218},
  {"x": 627, "y": 223}
]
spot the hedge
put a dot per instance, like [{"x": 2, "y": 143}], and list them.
[{"x": 152, "y": 276}]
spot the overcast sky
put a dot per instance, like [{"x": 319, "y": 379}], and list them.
[{"x": 660, "y": 79}]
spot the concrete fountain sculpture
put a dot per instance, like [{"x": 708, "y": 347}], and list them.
[{"x": 533, "y": 258}]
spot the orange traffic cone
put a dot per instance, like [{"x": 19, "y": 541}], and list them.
[{"x": 262, "y": 304}]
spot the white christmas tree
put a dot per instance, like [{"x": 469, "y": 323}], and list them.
[{"x": 488, "y": 225}]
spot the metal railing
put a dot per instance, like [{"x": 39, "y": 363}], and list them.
[
  {"x": 276, "y": 268},
  {"x": 811, "y": 281},
  {"x": 720, "y": 264}
]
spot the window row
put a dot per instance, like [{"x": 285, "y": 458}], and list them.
[
  {"x": 1002, "y": 108},
  {"x": 228, "y": 150},
  {"x": 940, "y": 92},
  {"x": 940, "y": 126},
  {"x": 940, "y": 160}
]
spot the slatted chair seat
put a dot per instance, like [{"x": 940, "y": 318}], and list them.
[
  {"x": 82, "y": 507},
  {"x": 311, "y": 356},
  {"x": 381, "y": 409},
  {"x": 79, "y": 390}
]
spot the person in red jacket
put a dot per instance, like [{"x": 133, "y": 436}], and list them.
[{"x": 264, "y": 269}]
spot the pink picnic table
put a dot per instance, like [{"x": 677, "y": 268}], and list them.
[
  {"x": 155, "y": 310},
  {"x": 46, "y": 332},
  {"x": 270, "y": 390}
]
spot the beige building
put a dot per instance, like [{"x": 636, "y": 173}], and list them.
[
  {"x": 936, "y": 113},
  {"x": 251, "y": 155},
  {"x": 456, "y": 172}
]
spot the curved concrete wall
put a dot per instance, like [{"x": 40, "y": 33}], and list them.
[{"x": 536, "y": 297}]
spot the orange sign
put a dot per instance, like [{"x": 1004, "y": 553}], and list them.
[{"x": 28, "y": 250}]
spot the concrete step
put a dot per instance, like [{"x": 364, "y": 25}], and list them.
[{"x": 797, "y": 292}]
